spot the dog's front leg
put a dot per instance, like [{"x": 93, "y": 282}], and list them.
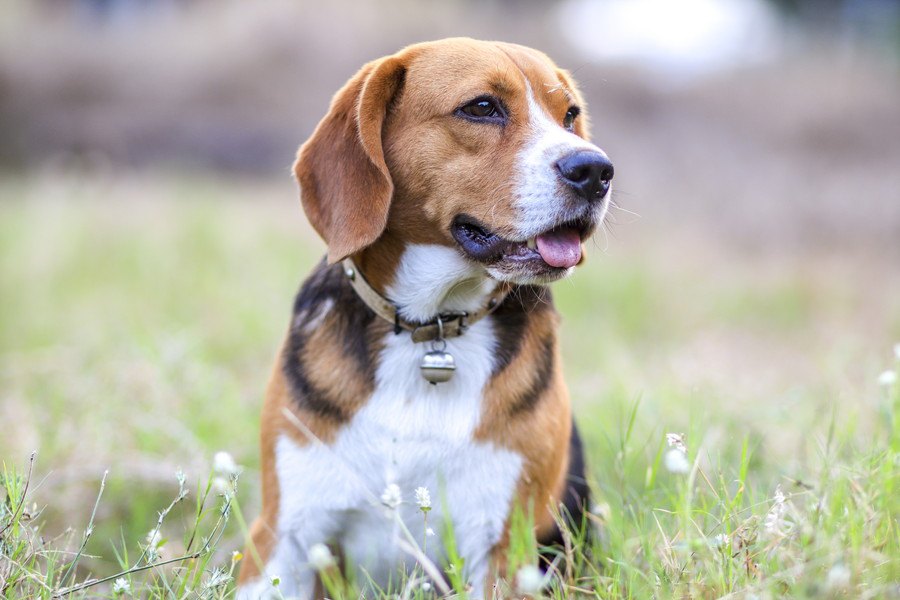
[
  {"x": 286, "y": 573},
  {"x": 278, "y": 556}
]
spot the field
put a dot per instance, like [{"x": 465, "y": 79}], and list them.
[{"x": 140, "y": 316}]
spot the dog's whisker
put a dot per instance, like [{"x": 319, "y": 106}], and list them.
[
  {"x": 603, "y": 230},
  {"x": 615, "y": 205}
]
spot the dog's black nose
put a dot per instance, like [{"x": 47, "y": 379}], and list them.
[{"x": 587, "y": 172}]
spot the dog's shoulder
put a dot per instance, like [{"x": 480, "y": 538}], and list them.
[{"x": 328, "y": 359}]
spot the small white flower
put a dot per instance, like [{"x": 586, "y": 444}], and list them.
[
  {"x": 121, "y": 586},
  {"x": 423, "y": 499},
  {"x": 222, "y": 486},
  {"x": 529, "y": 580},
  {"x": 153, "y": 551},
  {"x": 320, "y": 557},
  {"x": 217, "y": 578},
  {"x": 602, "y": 510},
  {"x": 225, "y": 509},
  {"x": 721, "y": 541},
  {"x": 153, "y": 538},
  {"x": 426, "y": 586},
  {"x": 676, "y": 461},
  {"x": 887, "y": 379},
  {"x": 838, "y": 577},
  {"x": 223, "y": 464},
  {"x": 392, "y": 496},
  {"x": 779, "y": 495},
  {"x": 774, "y": 518},
  {"x": 676, "y": 440},
  {"x": 429, "y": 532}
]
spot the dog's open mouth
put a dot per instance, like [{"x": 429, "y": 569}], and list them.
[{"x": 556, "y": 248}]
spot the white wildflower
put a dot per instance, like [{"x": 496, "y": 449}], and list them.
[
  {"x": 529, "y": 580},
  {"x": 391, "y": 497},
  {"x": 320, "y": 557},
  {"x": 223, "y": 464},
  {"x": 602, "y": 510},
  {"x": 721, "y": 541},
  {"x": 426, "y": 585},
  {"x": 222, "y": 486},
  {"x": 838, "y": 577},
  {"x": 217, "y": 578},
  {"x": 423, "y": 499},
  {"x": 153, "y": 538},
  {"x": 779, "y": 495},
  {"x": 887, "y": 378},
  {"x": 676, "y": 461},
  {"x": 121, "y": 586},
  {"x": 774, "y": 518},
  {"x": 429, "y": 532},
  {"x": 225, "y": 509},
  {"x": 676, "y": 440},
  {"x": 153, "y": 550}
]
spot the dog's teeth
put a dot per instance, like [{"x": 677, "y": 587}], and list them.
[{"x": 531, "y": 243}]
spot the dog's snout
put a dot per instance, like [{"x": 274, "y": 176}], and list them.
[{"x": 587, "y": 172}]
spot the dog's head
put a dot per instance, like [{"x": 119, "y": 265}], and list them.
[{"x": 479, "y": 146}]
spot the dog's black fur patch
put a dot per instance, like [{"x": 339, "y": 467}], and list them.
[
  {"x": 575, "y": 502},
  {"x": 529, "y": 400},
  {"x": 327, "y": 284},
  {"x": 511, "y": 320}
]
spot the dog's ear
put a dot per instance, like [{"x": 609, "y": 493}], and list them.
[
  {"x": 345, "y": 185},
  {"x": 582, "y": 123}
]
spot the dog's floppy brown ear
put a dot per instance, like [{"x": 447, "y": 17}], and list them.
[{"x": 345, "y": 186}]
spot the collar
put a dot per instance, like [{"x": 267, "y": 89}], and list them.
[{"x": 443, "y": 326}]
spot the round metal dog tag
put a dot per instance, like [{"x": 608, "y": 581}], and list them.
[{"x": 438, "y": 366}]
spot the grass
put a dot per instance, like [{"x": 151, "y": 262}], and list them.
[{"x": 139, "y": 320}]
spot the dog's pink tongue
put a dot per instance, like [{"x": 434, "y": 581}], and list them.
[{"x": 560, "y": 248}]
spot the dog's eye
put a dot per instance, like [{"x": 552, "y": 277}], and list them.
[
  {"x": 483, "y": 108},
  {"x": 569, "y": 119}
]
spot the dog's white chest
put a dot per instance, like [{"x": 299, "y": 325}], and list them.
[{"x": 411, "y": 434}]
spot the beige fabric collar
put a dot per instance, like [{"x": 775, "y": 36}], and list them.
[{"x": 447, "y": 325}]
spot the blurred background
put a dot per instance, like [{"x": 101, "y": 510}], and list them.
[
  {"x": 151, "y": 237},
  {"x": 777, "y": 120}
]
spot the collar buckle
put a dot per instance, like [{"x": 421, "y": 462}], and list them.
[{"x": 445, "y": 325}]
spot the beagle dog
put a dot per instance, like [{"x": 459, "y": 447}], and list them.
[{"x": 451, "y": 181}]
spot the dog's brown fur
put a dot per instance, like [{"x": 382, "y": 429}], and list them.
[{"x": 369, "y": 189}]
